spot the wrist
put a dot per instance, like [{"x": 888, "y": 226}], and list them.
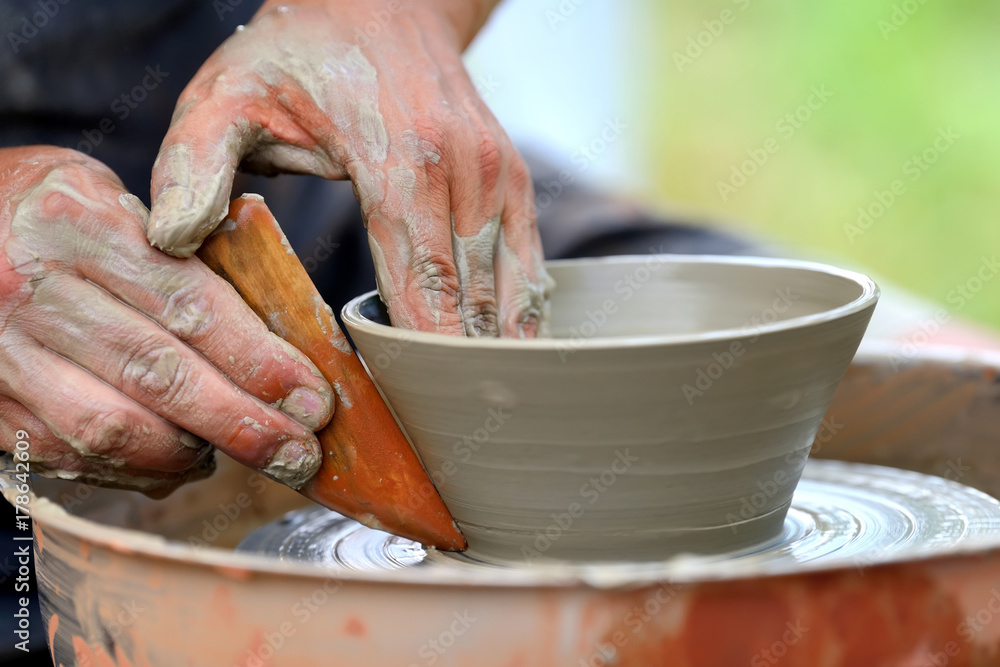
[
  {"x": 465, "y": 17},
  {"x": 462, "y": 19}
]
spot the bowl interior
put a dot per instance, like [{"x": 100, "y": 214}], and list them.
[{"x": 670, "y": 296}]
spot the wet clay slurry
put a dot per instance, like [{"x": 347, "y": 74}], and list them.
[{"x": 671, "y": 410}]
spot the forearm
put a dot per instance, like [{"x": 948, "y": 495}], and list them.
[{"x": 464, "y": 18}]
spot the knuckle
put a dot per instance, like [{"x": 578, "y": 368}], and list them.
[
  {"x": 250, "y": 441},
  {"x": 519, "y": 177},
  {"x": 433, "y": 270},
  {"x": 53, "y": 453},
  {"x": 105, "y": 433},
  {"x": 480, "y": 315},
  {"x": 158, "y": 372},
  {"x": 489, "y": 157},
  {"x": 59, "y": 459},
  {"x": 53, "y": 198},
  {"x": 430, "y": 152},
  {"x": 187, "y": 313},
  {"x": 432, "y": 135},
  {"x": 428, "y": 276},
  {"x": 73, "y": 190}
]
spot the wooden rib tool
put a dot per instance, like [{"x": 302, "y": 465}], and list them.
[{"x": 369, "y": 471}]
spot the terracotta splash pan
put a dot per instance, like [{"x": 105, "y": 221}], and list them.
[{"x": 129, "y": 581}]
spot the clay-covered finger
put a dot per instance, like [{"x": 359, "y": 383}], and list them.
[
  {"x": 409, "y": 234},
  {"x": 49, "y": 456},
  {"x": 101, "y": 232},
  {"x": 201, "y": 309},
  {"x": 476, "y": 202},
  {"x": 154, "y": 369},
  {"x": 15, "y": 418},
  {"x": 86, "y": 418},
  {"x": 233, "y": 114},
  {"x": 522, "y": 284},
  {"x": 192, "y": 177}
]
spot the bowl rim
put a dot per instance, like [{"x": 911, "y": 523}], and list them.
[{"x": 870, "y": 292}]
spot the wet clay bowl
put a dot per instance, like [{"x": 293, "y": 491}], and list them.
[{"x": 671, "y": 410}]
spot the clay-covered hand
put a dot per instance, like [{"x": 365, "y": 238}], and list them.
[
  {"x": 120, "y": 362},
  {"x": 375, "y": 92}
]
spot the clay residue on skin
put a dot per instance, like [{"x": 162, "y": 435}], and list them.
[
  {"x": 323, "y": 76},
  {"x": 194, "y": 207},
  {"x": 383, "y": 279},
  {"x": 32, "y": 227},
  {"x": 283, "y": 69},
  {"x": 185, "y": 317},
  {"x": 293, "y": 464},
  {"x": 110, "y": 477},
  {"x": 292, "y": 405},
  {"x": 134, "y": 205},
  {"x": 474, "y": 263},
  {"x": 253, "y": 423},
  {"x": 532, "y": 297},
  {"x": 418, "y": 150},
  {"x": 156, "y": 371},
  {"x": 404, "y": 181}
]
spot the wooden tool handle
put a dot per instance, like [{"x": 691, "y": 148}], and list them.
[{"x": 369, "y": 471}]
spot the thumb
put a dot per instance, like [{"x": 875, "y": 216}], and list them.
[{"x": 192, "y": 177}]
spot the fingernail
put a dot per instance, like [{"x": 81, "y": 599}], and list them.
[
  {"x": 294, "y": 463},
  {"x": 191, "y": 441},
  {"x": 308, "y": 407}
]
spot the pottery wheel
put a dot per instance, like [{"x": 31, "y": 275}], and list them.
[{"x": 841, "y": 514}]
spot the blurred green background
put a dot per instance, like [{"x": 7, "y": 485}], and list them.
[{"x": 900, "y": 74}]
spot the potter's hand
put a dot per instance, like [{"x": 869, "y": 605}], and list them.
[
  {"x": 304, "y": 88},
  {"x": 120, "y": 361}
]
